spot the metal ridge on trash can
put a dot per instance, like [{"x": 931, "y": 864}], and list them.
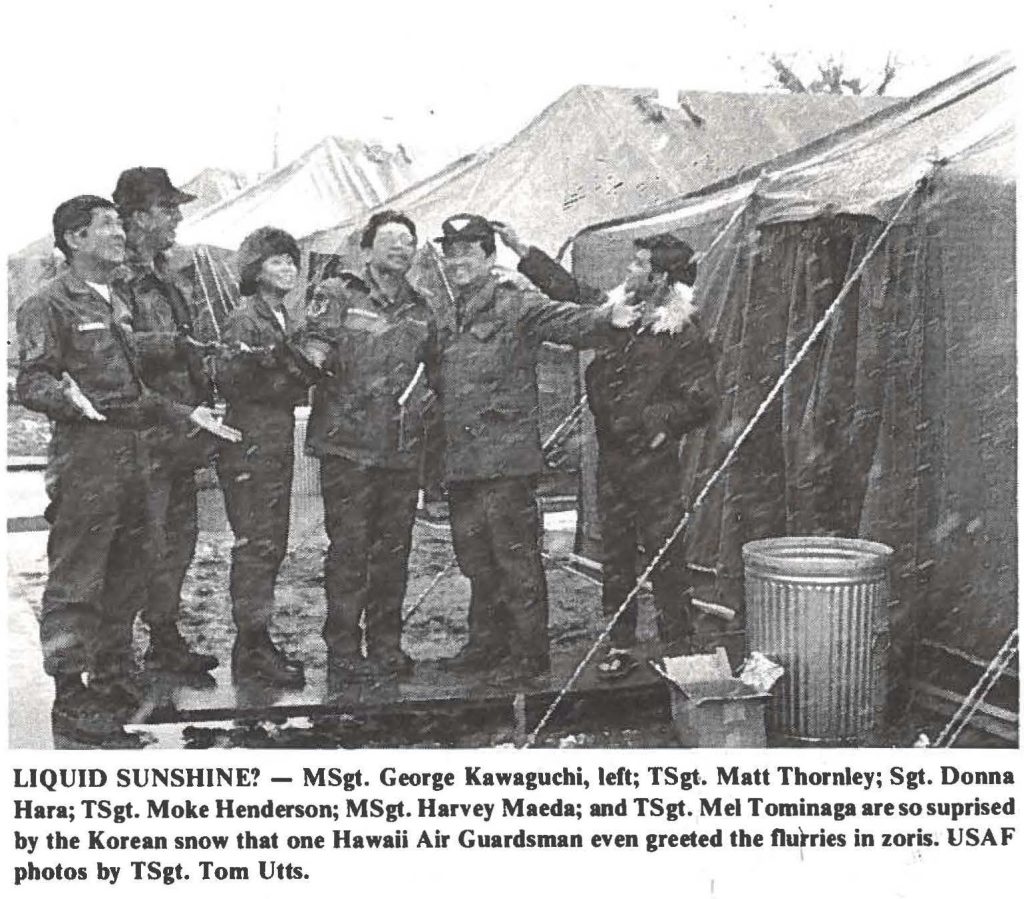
[{"x": 819, "y": 607}]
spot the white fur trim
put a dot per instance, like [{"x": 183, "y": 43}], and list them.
[{"x": 676, "y": 312}]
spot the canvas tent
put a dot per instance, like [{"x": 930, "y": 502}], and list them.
[
  {"x": 330, "y": 182},
  {"x": 599, "y": 152},
  {"x": 900, "y": 425},
  {"x": 211, "y": 187}
]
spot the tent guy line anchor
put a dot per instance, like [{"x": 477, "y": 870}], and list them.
[{"x": 729, "y": 456}]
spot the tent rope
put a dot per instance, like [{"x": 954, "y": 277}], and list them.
[
  {"x": 223, "y": 294},
  {"x": 727, "y": 461},
  {"x": 972, "y": 702},
  {"x": 206, "y": 294},
  {"x": 429, "y": 589}
]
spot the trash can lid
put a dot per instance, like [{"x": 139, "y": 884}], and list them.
[{"x": 817, "y": 556}]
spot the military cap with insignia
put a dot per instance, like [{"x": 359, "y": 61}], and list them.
[{"x": 474, "y": 229}]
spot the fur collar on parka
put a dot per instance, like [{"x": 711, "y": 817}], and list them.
[{"x": 671, "y": 315}]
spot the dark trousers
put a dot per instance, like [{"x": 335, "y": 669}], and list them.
[
  {"x": 95, "y": 549},
  {"x": 640, "y": 504},
  {"x": 369, "y": 514},
  {"x": 496, "y": 533},
  {"x": 173, "y": 529},
  {"x": 257, "y": 484}
]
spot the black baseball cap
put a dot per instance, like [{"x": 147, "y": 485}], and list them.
[{"x": 473, "y": 229}]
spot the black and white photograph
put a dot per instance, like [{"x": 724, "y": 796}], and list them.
[{"x": 474, "y": 376}]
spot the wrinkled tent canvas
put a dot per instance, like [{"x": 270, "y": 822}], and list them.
[
  {"x": 900, "y": 425},
  {"x": 599, "y": 152},
  {"x": 331, "y": 182}
]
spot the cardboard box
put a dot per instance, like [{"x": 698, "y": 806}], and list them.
[{"x": 713, "y": 709}]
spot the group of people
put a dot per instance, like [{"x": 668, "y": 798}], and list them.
[{"x": 109, "y": 352}]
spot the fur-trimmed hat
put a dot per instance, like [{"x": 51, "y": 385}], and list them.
[{"x": 256, "y": 249}]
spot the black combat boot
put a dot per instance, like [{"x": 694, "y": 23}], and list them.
[
  {"x": 256, "y": 657},
  {"x": 168, "y": 652},
  {"x": 81, "y": 715},
  {"x": 478, "y": 655}
]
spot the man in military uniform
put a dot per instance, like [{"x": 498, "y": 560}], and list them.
[
  {"x": 149, "y": 205},
  {"x": 646, "y": 393},
  {"x": 79, "y": 368},
  {"x": 373, "y": 330},
  {"x": 488, "y": 387}
]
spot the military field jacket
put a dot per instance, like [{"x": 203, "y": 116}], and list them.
[
  {"x": 488, "y": 375},
  {"x": 374, "y": 347},
  {"x": 259, "y": 376},
  {"x": 161, "y": 322},
  {"x": 67, "y": 328}
]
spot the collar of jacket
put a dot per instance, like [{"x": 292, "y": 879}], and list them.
[
  {"x": 483, "y": 300},
  {"x": 673, "y": 310},
  {"x": 480, "y": 302},
  {"x": 75, "y": 284},
  {"x": 135, "y": 268},
  {"x": 264, "y": 310},
  {"x": 407, "y": 294}
]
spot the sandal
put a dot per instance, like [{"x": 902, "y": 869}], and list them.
[{"x": 619, "y": 663}]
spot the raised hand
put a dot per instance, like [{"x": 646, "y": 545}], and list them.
[
  {"x": 509, "y": 237},
  {"x": 623, "y": 315}
]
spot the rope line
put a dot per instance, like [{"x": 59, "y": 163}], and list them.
[
  {"x": 206, "y": 294},
  {"x": 972, "y": 702},
  {"x": 223, "y": 294},
  {"x": 430, "y": 588},
  {"x": 727, "y": 461}
]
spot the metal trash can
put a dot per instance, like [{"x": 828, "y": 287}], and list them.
[{"x": 819, "y": 606}]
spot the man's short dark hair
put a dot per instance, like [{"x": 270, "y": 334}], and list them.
[
  {"x": 670, "y": 255},
  {"x": 378, "y": 220},
  {"x": 74, "y": 215}
]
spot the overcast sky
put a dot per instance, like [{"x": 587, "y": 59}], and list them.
[{"x": 96, "y": 87}]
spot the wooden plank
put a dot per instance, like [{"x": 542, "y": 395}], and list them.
[{"x": 429, "y": 687}]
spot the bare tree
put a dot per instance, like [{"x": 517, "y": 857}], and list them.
[{"x": 833, "y": 77}]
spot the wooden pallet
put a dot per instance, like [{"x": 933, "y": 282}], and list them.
[{"x": 428, "y": 688}]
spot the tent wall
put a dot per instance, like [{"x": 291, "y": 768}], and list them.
[{"x": 899, "y": 426}]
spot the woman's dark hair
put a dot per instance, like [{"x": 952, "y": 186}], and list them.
[
  {"x": 73, "y": 215},
  {"x": 378, "y": 220}
]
